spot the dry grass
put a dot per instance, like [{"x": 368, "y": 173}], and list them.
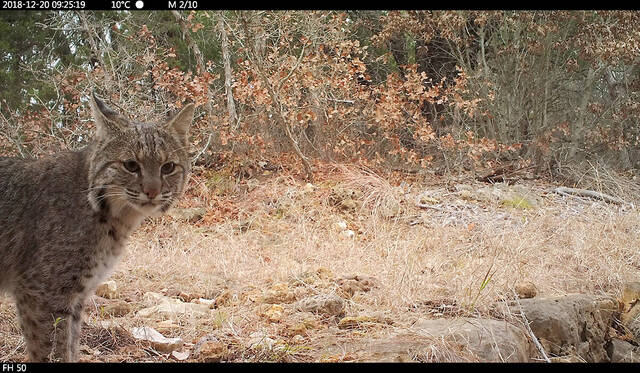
[{"x": 286, "y": 235}]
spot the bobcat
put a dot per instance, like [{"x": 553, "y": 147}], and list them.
[{"x": 64, "y": 220}]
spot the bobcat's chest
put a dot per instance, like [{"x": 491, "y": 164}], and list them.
[{"x": 109, "y": 254}]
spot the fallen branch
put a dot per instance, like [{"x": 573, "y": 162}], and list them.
[
  {"x": 526, "y": 325},
  {"x": 589, "y": 193}
]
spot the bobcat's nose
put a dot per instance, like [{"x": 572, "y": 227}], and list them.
[{"x": 151, "y": 193}]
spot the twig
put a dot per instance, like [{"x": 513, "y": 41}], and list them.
[
  {"x": 590, "y": 194},
  {"x": 195, "y": 159}
]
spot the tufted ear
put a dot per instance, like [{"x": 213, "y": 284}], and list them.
[
  {"x": 179, "y": 124},
  {"x": 109, "y": 123}
]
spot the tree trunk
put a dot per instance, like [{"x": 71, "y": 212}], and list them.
[
  {"x": 578, "y": 126},
  {"x": 226, "y": 59}
]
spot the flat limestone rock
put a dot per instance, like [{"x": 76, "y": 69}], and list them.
[
  {"x": 443, "y": 340},
  {"x": 158, "y": 341},
  {"x": 490, "y": 340},
  {"x": 170, "y": 307}
]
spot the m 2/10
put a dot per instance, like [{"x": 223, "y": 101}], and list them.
[{"x": 188, "y": 4}]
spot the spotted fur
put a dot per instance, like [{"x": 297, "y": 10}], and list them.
[{"x": 65, "y": 220}]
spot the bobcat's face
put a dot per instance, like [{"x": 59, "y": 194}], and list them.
[
  {"x": 146, "y": 167},
  {"x": 142, "y": 165}
]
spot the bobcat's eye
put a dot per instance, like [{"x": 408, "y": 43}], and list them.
[
  {"x": 131, "y": 165},
  {"x": 168, "y": 168}
]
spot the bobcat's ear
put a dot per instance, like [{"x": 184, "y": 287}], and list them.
[
  {"x": 179, "y": 124},
  {"x": 108, "y": 122}
]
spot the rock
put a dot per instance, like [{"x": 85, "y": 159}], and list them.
[
  {"x": 526, "y": 290},
  {"x": 348, "y": 233},
  {"x": 631, "y": 320},
  {"x": 117, "y": 308},
  {"x": 352, "y": 284},
  {"x": 576, "y": 324},
  {"x": 275, "y": 313},
  {"x": 404, "y": 346},
  {"x": 331, "y": 305},
  {"x": 207, "y": 302},
  {"x": 623, "y": 352},
  {"x": 167, "y": 326},
  {"x": 632, "y": 314},
  {"x": 298, "y": 323},
  {"x": 156, "y": 340},
  {"x": 341, "y": 225},
  {"x": 515, "y": 196},
  {"x": 210, "y": 351},
  {"x": 630, "y": 294},
  {"x": 223, "y": 299},
  {"x": 389, "y": 208},
  {"x": 170, "y": 307},
  {"x": 188, "y": 297},
  {"x": 190, "y": 215},
  {"x": 180, "y": 356},
  {"x": 425, "y": 199},
  {"x": 309, "y": 188},
  {"x": 297, "y": 339},
  {"x": 260, "y": 341},
  {"x": 107, "y": 289},
  {"x": 348, "y": 205},
  {"x": 345, "y": 198},
  {"x": 490, "y": 340},
  {"x": 279, "y": 293},
  {"x": 352, "y": 322},
  {"x": 566, "y": 359}
]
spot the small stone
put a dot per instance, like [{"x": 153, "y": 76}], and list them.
[
  {"x": 352, "y": 322},
  {"x": 348, "y": 234},
  {"x": 107, "y": 289},
  {"x": 188, "y": 297},
  {"x": 158, "y": 341},
  {"x": 210, "y": 351},
  {"x": 352, "y": 284},
  {"x": 260, "y": 341},
  {"x": 279, "y": 293},
  {"x": 426, "y": 200},
  {"x": 348, "y": 205},
  {"x": 118, "y": 308},
  {"x": 222, "y": 300},
  {"x": 190, "y": 215},
  {"x": 526, "y": 290},
  {"x": 631, "y": 315},
  {"x": 297, "y": 339},
  {"x": 309, "y": 188},
  {"x": 341, "y": 225},
  {"x": 325, "y": 304},
  {"x": 166, "y": 326},
  {"x": 180, "y": 356},
  {"x": 206, "y": 302},
  {"x": 630, "y": 294},
  {"x": 275, "y": 313}
]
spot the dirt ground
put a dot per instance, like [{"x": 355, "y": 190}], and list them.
[{"x": 255, "y": 254}]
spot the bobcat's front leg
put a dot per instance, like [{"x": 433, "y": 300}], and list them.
[{"x": 51, "y": 327}]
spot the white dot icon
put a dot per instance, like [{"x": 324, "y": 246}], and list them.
[{"x": 139, "y": 4}]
